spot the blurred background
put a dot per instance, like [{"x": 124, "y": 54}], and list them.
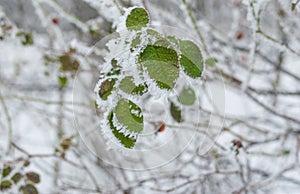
[{"x": 255, "y": 149}]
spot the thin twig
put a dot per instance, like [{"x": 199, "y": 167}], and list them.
[
  {"x": 192, "y": 18},
  {"x": 9, "y": 122}
]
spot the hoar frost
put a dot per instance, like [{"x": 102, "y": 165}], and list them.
[{"x": 141, "y": 65}]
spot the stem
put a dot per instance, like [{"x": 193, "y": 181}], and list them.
[
  {"x": 119, "y": 7},
  {"x": 9, "y": 122},
  {"x": 192, "y": 18},
  {"x": 60, "y": 133}
]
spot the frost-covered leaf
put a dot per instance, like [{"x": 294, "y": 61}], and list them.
[
  {"x": 6, "y": 171},
  {"x": 114, "y": 63},
  {"x": 6, "y": 184},
  {"x": 114, "y": 71},
  {"x": 157, "y": 39},
  {"x": 124, "y": 140},
  {"x": 175, "y": 112},
  {"x": 106, "y": 88},
  {"x": 136, "y": 41},
  {"x": 153, "y": 33},
  {"x": 127, "y": 85},
  {"x": 130, "y": 116},
  {"x": 140, "y": 89},
  {"x": 191, "y": 59},
  {"x": 137, "y": 19},
  {"x": 161, "y": 64},
  {"x": 33, "y": 177},
  {"x": 211, "y": 61},
  {"x": 162, "y": 42},
  {"x": 153, "y": 36},
  {"x": 29, "y": 189},
  {"x": 16, "y": 177},
  {"x": 187, "y": 96},
  {"x": 172, "y": 39}
]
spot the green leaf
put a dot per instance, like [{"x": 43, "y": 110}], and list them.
[
  {"x": 127, "y": 85},
  {"x": 29, "y": 189},
  {"x": 130, "y": 116},
  {"x": 159, "y": 53},
  {"x": 187, "y": 96},
  {"x": 33, "y": 177},
  {"x": 191, "y": 59},
  {"x": 211, "y": 61},
  {"x": 6, "y": 184},
  {"x": 286, "y": 152},
  {"x": 6, "y": 171},
  {"x": 161, "y": 64},
  {"x": 27, "y": 38},
  {"x": 137, "y": 19},
  {"x": 63, "y": 81},
  {"x": 16, "y": 177},
  {"x": 125, "y": 141},
  {"x": 175, "y": 112},
  {"x": 68, "y": 63},
  {"x": 106, "y": 88}
]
